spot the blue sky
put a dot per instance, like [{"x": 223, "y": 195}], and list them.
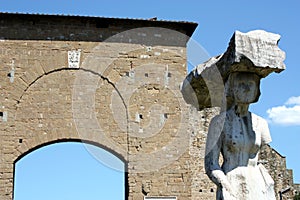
[
  {"x": 67, "y": 171},
  {"x": 217, "y": 22}
]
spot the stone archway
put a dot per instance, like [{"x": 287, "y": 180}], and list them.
[{"x": 44, "y": 116}]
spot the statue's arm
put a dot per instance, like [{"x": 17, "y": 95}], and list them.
[
  {"x": 261, "y": 125},
  {"x": 265, "y": 135},
  {"x": 212, "y": 153}
]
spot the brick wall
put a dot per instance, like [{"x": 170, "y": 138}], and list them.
[{"x": 276, "y": 165}]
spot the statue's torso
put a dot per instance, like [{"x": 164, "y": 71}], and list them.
[
  {"x": 240, "y": 144},
  {"x": 240, "y": 147}
]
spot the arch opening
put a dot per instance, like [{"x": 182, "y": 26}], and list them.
[{"x": 66, "y": 170}]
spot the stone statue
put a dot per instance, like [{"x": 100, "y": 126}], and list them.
[{"x": 236, "y": 135}]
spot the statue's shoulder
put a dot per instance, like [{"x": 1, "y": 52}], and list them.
[
  {"x": 217, "y": 123},
  {"x": 259, "y": 122},
  {"x": 260, "y": 126},
  {"x": 220, "y": 118}
]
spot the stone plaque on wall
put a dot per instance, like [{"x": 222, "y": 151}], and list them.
[{"x": 74, "y": 58}]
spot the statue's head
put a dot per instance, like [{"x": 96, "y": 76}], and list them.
[
  {"x": 242, "y": 87},
  {"x": 248, "y": 58}
]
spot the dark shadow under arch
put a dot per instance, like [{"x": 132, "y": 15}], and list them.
[{"x": 119, "y": 156}]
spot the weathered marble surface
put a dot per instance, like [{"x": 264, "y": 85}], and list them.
[
  {"x": 232, "y": 81},
  {"x": 253, "y": 52},
  {"x": 237, "y": 135}
]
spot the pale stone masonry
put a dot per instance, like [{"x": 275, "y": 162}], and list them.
[{"x": 114, "y": 83}]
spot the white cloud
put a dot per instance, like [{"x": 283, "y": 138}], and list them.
[
  {"x": 287, "y": 114},
  {"x": 293, "y": 101}
]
